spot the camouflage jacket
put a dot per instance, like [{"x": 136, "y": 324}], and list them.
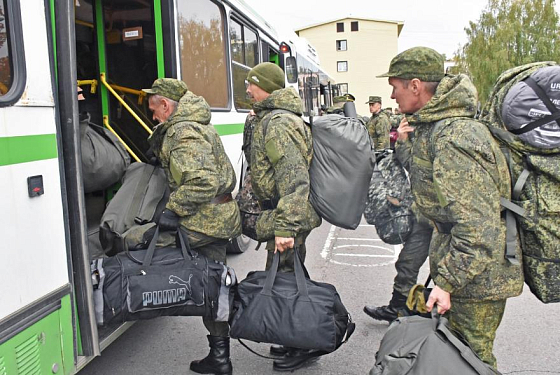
[
  {"x": 379, "y": 127},
  {"x": 458, "y": 176},
  {"x": 197, "y": 168},
  {"x": 280, "y": 167}
]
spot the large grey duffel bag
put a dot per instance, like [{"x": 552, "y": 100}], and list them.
[
  {"x": 134, "y": 209},
  {"x": 415, "y": 345},
  {"x": 104, "y": 158}
]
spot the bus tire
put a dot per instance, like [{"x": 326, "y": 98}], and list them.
[{"x": 240, "y": 244}]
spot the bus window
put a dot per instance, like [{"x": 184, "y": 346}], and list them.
[
  {"x": 203, "y": 50},
  {"x": 245, "y": 55},
  {"x": 12, "y": 64}
]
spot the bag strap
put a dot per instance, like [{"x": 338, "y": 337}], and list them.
[
  {"x": 299, "y": 272},
  {"x": 464, "y": 349},
  {"x": 269, "y": 116}
]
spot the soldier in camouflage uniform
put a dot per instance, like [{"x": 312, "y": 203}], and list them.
[
  {"x": 458, "y": 175},
  {"x": 201, "y": 179},
  {"x": 379, "y": 126},
  {"x": 280, "y": 159}
]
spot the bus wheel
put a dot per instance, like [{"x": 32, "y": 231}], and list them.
[{"x": 239, "y": 244}]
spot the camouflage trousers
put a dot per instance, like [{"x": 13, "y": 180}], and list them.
[
  {"x": 287, "y": 257},
  {"x": 215, "y": 249},
  {"x": 412, "y": 256},
  {"x": 477, "y": 323}
]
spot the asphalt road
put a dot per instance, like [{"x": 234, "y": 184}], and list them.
[{"x": 362, "y": 269}]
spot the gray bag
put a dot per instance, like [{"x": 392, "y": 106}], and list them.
[
  {"x": 132, "y": 211},
  {"x": 341, "y": 169},
  {"x": 415, "y": 345},
  {"x": 104, "y": 158}
]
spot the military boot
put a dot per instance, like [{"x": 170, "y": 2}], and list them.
[
  {"x": 295, "y": 358},
  {"x": 388, "y": 312},
  {"x": 217, "y": 361}
]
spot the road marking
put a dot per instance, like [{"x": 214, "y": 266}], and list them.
[{"x": 366, "y": 251}]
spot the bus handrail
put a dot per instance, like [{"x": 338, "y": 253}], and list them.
[
  {"x": 141, "y": 94},
  {"x": 108, "y": 126},
  {"x": 108, "y": 86},
  {"x": 92, "y": 82}
]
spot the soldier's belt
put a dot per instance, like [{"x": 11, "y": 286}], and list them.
[
  {"x": 268, "y": 204},
  {"x": 222, "y": 198}
]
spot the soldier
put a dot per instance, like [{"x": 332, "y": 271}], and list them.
[
  {"x": 338, "y": 104},
  {"x": 379, "y": 125},
  {"x": 458, "y": 175},
  {"x": 201, "y": 179},
  {"x": 280, "y": 162}
]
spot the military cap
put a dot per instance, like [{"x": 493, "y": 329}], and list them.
[
  {"x": 418, "y": 62},
  {"x": 344, "y": 98},
  {"x": 374, "y": 99},
  {"x": 349, "y": 97},
  {"x": 267, "y": 76},
  {"x": 171, "y": 88}
]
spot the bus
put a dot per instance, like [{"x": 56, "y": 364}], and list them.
[
  {"x": 305, "y": 74},
  {"x": 111, "y": 49}
]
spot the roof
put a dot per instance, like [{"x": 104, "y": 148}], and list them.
[{"x": 399, "y": 24}]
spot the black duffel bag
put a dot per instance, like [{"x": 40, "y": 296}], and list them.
[
  {"x": 290, "y": 309},
  {"x": 168, "y": 281}
]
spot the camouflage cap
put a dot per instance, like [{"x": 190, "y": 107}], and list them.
[
  {"x": 418, "y": 62},
  {"x": 344, "y": 98},
  {"x": 171, "y": 88},
  {"x": 374, "y": 99}
]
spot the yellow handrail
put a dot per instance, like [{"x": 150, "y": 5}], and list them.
[
  {"x": 141, "y": 94},
  {"x": 106, "y": 123},
  {"x": 92, "y": 82},
  {"x": 106, "y": 84}
]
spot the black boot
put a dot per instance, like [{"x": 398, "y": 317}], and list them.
[
  {"x": 295, "y": 358},
  {"x": 388, "y": 312},
  {"x": 279, "y": 350},
  {"x": 217, "y": 361}
]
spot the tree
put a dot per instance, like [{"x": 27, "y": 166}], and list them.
[{"x": 509, "y": 33}]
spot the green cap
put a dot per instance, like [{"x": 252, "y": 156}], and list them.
[
  {"x": 344, "y": 98},
  {"x": 171, "y": 88},
  {"x": 419, "y": 62},
  {"x": 374, "y": 99},
  {"x": 268, "y": 76}
]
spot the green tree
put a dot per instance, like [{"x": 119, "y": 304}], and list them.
[{"x": 509, "y": 33}]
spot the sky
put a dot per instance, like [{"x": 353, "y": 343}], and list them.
[{"x": 438, "y": 24}]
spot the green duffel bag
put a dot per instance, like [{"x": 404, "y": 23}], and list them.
[{"x": 415, "y": 345}]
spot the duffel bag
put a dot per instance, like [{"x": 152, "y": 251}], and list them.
[
  {"x": 168, "y": 281},
  {"x": 290, "y": 309},
  {"x": 415, "y": 345}
]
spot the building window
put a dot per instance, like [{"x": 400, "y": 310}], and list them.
[
  {"x": 342, "y": 66},
  {"x": 354, "y": 26},
  {"x": 203, "y": 50},
  {"x": 340, "y": 27},
  {"x": 341, "y": 45}
]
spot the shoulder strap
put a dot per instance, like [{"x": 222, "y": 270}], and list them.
[
  {"x": 436, "y": 130},
  {"x": 269, "y": 116}
]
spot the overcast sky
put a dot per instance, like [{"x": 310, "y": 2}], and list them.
[{"x": 438, "y": 24}]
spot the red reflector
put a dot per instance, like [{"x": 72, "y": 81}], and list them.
[{"x": 36, "y": 190}]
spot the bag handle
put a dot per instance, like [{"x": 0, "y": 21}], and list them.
[
  {"x": 299, "y": 272},
  {"x": 184, "y": 245}
]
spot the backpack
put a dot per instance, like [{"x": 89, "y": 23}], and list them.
[
  {"x": 341, "y": 167},
  {"x": 415, "y": 345},
  {"x": 534, "y": 209},
  {"x": 389, "y": 204},
  {"x": 134, "y": 209}
]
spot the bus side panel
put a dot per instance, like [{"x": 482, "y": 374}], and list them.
[
  {"x": 43, "y": 348},
  {"x": 34, "y": 257}
]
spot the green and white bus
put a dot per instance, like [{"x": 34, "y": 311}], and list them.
[{"x": 112, "y": 49}]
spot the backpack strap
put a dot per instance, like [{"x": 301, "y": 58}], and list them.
[
  {"x": 554, "y": 112},
  {"x": 270, "y": 116}
]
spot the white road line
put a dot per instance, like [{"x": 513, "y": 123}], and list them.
[
  {"x": 364, "y": 255},
  {"x": 327, "y": 245},
  {"x": 359, "y": 239}
]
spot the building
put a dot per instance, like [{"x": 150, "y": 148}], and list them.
[{"x": 354, "y": 51}]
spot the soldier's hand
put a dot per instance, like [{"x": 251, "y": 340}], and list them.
[
  {"x": 441, "y": 298},
  {"x": 168, "y": 221},
  {"x": 404, "y": 129},
  {"x": 283, "y": 243}
]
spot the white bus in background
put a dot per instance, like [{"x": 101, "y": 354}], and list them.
[{"x": 112, "y": 49}]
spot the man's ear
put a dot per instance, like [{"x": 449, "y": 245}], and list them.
[{"x": 415, "y": 85}]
